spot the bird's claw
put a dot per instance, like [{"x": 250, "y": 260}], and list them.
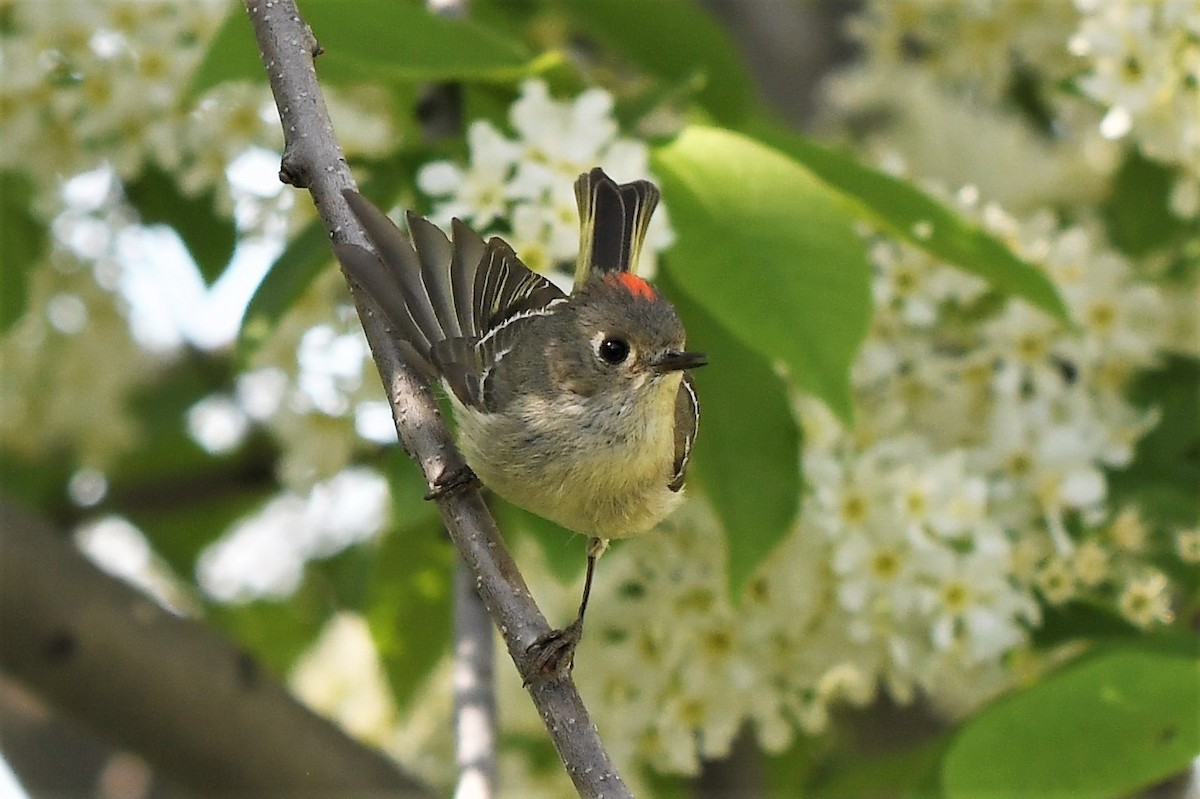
[
  {"x": 452, "y": 481},
  {"x": 553, "y": 655}
]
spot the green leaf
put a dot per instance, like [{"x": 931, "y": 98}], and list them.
[
  {"x": 209, "y": 238},
  {"x": 677, "y": 41},
  {"x": 345, "y": 575},
  {"x": 909, "y": 774},
  {"x": 900, "y": 208},
  {"x": 22, "y": 242},
  {"x": 181, "y": 533},
  {"x": 276, "y": 633},
  {"x": 1081, "y": 620},
  {"x": 381, "y": 40},
  {"x": 668, "y": 786},
  {"x": 1137, "y": 213},
  {"x": 1107, "y": 726},
  {"x": 747, "y": 456},
  {"x": 384, "y": 39},
  {"x": 232, "y": 54},
  {"x": 38, "y": 480},
  {"x": 288, "y": 277},
  {"x": 791, "y": 772},
  {"x": 766, "y": 249},
  {"x": 409, "y": 604},
  {"x": 1165, "y": 471}
]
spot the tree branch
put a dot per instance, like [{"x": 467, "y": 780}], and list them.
[
  {"x": 312, "y": 159},
  {"x": 474, "y": 691},
  {"x": 194, "y": 705}
]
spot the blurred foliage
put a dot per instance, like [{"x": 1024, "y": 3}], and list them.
[
  {"x": 208, "y": 236},
  {"x": 23, "y": 241}
]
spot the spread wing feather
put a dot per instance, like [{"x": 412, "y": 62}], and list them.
[
  {"x": 369, "y": 272},
  {"x": 436, "y": 256},
  {"x": 508, "y": 295},
  {"x": 457, "y": 307},
  {"x": 468, "y": 254}
]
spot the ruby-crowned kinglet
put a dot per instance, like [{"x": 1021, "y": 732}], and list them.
[{"x": 577, "y": 408}]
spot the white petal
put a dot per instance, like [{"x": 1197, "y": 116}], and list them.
[
  {"x": 490, "y": 149},
  {"x": 1083, "y": 487},
  {"x": 439, "y": 178}
]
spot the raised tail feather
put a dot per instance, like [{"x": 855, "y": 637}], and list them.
[{"x": 613, "y": 219}]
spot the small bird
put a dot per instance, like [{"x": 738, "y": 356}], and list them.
[{"x": 576, "y": 407}]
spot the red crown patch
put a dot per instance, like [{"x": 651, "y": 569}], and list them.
[{"x": 633, "y": 284}]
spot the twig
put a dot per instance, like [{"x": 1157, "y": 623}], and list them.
[
  {"x": 195, "y": 706},
  {"x": 312, "y": 159},
  {"x": 474, "y": 691}
]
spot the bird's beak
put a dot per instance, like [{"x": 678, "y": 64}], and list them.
[{"x": 675, "y": 361}]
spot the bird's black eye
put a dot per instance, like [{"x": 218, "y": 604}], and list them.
[{"x": 613, "y": 350}]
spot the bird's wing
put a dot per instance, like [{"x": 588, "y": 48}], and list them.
[
  {"x": 406, "y": 284},
  {"x": 687, "y": 420},
  {"x": 456, "y": 307},
  {"x": 508, "y": 296}
]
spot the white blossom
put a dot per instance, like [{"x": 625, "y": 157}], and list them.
[{"x": 521, "y": 187}]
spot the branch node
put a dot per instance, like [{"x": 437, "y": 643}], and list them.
[
  {"x": 293, "y": 169},
  {"x": 453, "y": 480}
]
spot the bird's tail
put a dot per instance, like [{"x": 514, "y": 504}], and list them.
[{"x": 613, "y": 219}]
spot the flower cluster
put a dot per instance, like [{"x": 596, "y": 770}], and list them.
[
  {"x": 88, "y": 84},
  {"x": 1143, "y": 66},
  {"x": 972, "y": 495},
  {"x": 973, "y": 45},
  {"x": 73, "y": 336},
  {"x": 107, "y": 84},
  {"x": 94, "y": 94},
  {"x": 1024, "y": 493},
  {"x": 525, "y": 183},
  {"x": 1137, "y": 62}
]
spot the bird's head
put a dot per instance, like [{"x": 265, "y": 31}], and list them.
[{"x": 620, "y": 336}]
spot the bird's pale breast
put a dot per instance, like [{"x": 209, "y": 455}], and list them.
[{"x": 596, "y": 470}]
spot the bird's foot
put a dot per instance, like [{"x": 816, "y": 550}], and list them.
[
  {"x": 554, "y": 653},
  {"x": 452, "y": 481}
]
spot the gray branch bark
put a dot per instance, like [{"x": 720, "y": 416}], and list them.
[
  {"x": 187, "y": 700},
  {"x": 474, "y": 691},
  {"x": 313, "y": 159}
]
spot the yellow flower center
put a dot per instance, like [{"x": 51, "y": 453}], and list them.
[
  {"x": 885, "y": 565},
  {"x": 1031, "y": 347},
  {"x": 954, "y": 596},
  {"x": 854, "y": 509},
  {"x": 1101, "y": 316}
]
